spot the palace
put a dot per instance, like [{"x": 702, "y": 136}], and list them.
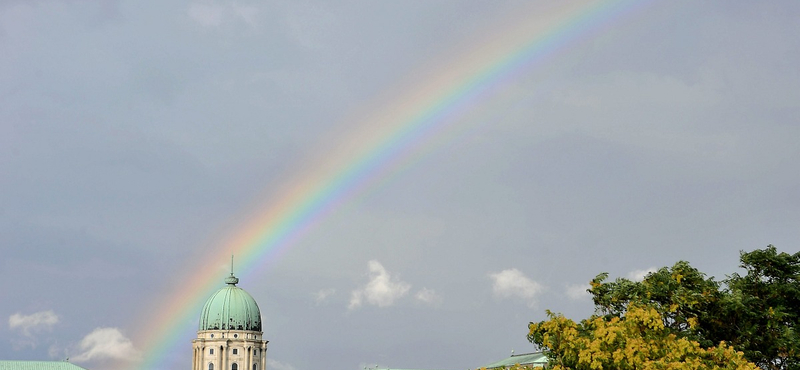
[{"x": 229, "y": 335}]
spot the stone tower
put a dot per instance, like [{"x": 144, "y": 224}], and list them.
[{"x": 229, "y": 336}]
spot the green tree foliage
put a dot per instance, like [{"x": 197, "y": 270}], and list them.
[
  {"x": 761, "y": 310},
  {"x": 636, "y": 340},
  {"x": 756, "y": 314},
  {"x": 684, "y": 297}
]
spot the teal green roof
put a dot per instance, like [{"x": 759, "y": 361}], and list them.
[
  {"x": 534, "y": 359},
  {"x": 230, "y": 308},
  {"x": 38, "y": 365}
]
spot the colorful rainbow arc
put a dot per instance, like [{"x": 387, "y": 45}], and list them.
[{"x": 383, "y": 141}]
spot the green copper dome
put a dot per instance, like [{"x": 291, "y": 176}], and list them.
[{"x": 230, "y": 308}]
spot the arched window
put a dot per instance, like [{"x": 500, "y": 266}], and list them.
[
  {"x": 255, "y": 366},
  {"x": 235, "y": 366},
  {"x": 210, "y": 366}
]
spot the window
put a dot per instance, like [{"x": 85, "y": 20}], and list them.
[
  {"x": 235, "y": 352},
  {"x": 211, "y": 351},
  {"x": 212, "y": 335},
  {"x": 236, "y": 335},
  {"x": 210, "y": 366},
  {"x": 255, "y": 366},
  {"x": 234, "y": 366}
]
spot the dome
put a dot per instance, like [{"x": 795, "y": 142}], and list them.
[{"x": 230, "y": 308}]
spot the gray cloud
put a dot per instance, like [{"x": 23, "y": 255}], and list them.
[
  {"x": 214, "y": 14},
  {"x": 139, "y": 137}
]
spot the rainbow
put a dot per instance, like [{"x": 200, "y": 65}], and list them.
[{"x": 383, "y": 141}]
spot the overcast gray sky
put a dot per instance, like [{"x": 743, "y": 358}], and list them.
[{"x": 138, "y": 136}]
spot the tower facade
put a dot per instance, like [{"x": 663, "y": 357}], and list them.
[{"x": 229, "y": 335}]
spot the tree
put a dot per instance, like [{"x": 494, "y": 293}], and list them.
[
  {"x": 761, "y": 310},
  {"x": 757, "y": 313},
  {"x": 638, "y": 339},
  {"x": 683, "y": 296}
]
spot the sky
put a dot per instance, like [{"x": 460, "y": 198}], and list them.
[{"x": 140, "y": 139}]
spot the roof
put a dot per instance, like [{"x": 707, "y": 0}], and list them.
[
  {"x": 230, "y": 308},
  {"x": 534, "y": 359},
  {"x": 38, "y": 365}
]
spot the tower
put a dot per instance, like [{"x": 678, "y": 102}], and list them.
[{"x": 229, "y": 336}]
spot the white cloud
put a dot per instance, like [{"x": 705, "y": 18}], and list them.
[
  {"x": 29, "y": 324},
  {"x": 513, "y": 283},
  {"x": 277, "y": 365},
  {"x": 428, "y": 296},
  {"x": 381, "y": 290},
  {"x": 106, "y": 343},
  {"x": 578, "y": 291},
  {"x": 322, "y": 295},
  {"x": 639, "y": 275}
]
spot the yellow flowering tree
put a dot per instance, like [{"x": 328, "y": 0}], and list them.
[
  {"x": 757, "y": 313},
  {"x": 637, "y": 340},
  {"x": 687, "y": 300}
]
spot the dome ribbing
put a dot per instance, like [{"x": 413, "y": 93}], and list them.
[{"x": 230, "y": 308}]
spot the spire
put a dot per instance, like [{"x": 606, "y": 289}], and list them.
[{"x": 232, "y": 280}]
